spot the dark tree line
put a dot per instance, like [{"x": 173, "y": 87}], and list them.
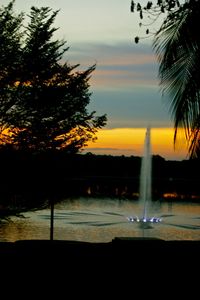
[{"x": 30, "y": 181}]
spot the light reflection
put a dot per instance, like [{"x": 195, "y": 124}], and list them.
[{"x": 101, "y": 220}]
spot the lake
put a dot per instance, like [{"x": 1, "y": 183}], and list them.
[{"x": 101, "y": 220}]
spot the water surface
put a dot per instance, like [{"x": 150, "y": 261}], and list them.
[{"x": 101, "y": 220}]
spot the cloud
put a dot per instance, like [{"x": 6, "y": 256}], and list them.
[
  {"x": 103, "y": 149},
  {"x": 112, "y": 151},
  {"x": 118, "y": 65},
  {"x": 131, "y": 108},
  {"x": 121, "y": 52},
  {"x": 125, "y": 84}
]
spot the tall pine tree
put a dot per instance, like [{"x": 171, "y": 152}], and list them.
[
  {"x": 50, "y": 98},
  {"x": 10, "y": 60}
]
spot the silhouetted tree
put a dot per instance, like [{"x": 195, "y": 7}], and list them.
[
  {"x": 177, "y": 45},
  {"x": 49, "y": 97},
  {"x": 150, "y": 12},
  {"x": 10, "y": 59}
]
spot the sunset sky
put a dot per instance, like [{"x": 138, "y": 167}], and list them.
[{"x": 124, "y": 85}]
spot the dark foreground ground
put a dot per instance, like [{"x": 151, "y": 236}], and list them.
[
  {"x": 121, "y": 268},
  {"x": 127, "y": 252}
]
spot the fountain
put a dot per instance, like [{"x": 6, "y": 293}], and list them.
[{"x": 145, "y": 193}]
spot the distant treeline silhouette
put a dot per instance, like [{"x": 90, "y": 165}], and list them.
[{"x": 31, "y": 180}]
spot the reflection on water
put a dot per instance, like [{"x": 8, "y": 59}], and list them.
[{"x": 101, "y": 220}]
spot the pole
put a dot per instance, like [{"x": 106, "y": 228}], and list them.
[{"x": 52, "y": 218}]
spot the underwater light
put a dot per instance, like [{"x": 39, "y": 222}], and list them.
[{"x": 144, "y": 219}]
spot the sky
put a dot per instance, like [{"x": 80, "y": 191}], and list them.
[{"x": 125, "y": 84}]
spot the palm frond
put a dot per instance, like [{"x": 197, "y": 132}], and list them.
[{"x": 177, "y": 45}]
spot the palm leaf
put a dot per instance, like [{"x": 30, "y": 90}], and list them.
[{"x": 177, "y": 46}]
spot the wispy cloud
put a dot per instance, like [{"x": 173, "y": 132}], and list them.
[
  {"x": 117, "y": 65},
  {"x": 131, "y": 108},
  {"x": 125, "y": 84},
  {"x": 103, "y": 149}
]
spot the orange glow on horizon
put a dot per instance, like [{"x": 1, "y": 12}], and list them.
[{"x": 130, "y": 141}]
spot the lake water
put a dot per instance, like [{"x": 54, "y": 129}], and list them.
[{"x": 101, "y": 220}]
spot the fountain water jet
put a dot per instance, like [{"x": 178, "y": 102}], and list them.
[{"x": 145, "y": 193}]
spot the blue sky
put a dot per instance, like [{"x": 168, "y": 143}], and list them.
[{"x": 125, "y": 84}]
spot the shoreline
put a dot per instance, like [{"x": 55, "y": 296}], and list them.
[{"x": 127, "y": 244}]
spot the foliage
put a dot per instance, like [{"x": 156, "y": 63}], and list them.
[
  {"x": 153, "y": 10},
  {"x": 48, "y": 98},
  {"x": 176, "y": 44},
  {"x": 10, "y": 57}
]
